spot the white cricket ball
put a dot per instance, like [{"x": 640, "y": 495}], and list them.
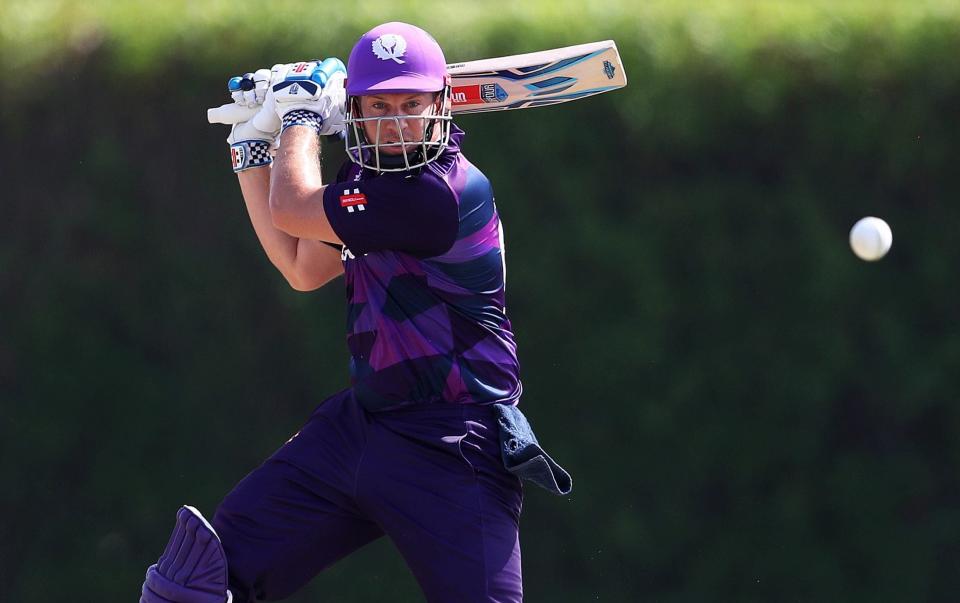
[{"x": 871, "y": 238}]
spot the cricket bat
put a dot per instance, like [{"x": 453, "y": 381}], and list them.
[{"x": 521, "y": 81}]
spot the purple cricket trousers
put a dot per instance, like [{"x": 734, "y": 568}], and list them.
[{"x": 429, "y": 476}]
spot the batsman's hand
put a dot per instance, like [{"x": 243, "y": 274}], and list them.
[
  {"x": 252, "y": 142},
  {"x": 251, "y": 147},
  {"x": 250, "y": 89},
  {"x": 254, "y": 90},
  {"x": 312, "y": 93},
  {"x": 248, "y": 130}
]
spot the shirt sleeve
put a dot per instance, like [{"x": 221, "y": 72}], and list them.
[{"x": 414, "y": 214}]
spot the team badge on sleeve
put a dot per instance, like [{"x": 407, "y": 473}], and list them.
[{"x": 353, "y": 200}]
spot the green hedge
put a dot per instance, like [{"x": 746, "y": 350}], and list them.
[{"x": 749, "y": 412}]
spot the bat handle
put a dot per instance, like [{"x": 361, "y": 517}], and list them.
[{"x": 230, "y": 114}]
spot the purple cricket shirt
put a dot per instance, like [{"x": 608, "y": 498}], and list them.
[{"x": 425, "y": 274}]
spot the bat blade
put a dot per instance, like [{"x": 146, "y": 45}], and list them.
[
  {"x": 522, "y": 81},
  {"x": 536, "y": 79}
]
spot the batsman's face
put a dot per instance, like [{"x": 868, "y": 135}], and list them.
[{"x": 403, "y": 104}]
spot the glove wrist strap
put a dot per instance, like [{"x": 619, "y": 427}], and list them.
[
  {"x": 248, "y": 154},
  {"x": 302, "y": 117}
]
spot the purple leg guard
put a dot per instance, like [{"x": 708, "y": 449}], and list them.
[{"x": 192, "y": 569}]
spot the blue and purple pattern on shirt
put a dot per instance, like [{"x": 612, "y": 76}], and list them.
[{"x": 425, "y": 276}]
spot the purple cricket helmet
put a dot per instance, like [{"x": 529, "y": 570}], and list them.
[
  {"x": 389, "y": 59},
  {"x": 396, "y": 57}
]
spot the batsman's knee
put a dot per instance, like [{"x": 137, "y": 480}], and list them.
[{"x": 192, "y": 568}]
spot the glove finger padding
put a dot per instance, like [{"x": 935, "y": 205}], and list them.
[
  {"x": 250, "y": 89},
  {"x": 267, "y": 120},
  {"x": 193, "y": 567},
  {"x": 261, "y": 83},
  {"x": 335, "y": 95},
  {"x": 235, "y": 86}
]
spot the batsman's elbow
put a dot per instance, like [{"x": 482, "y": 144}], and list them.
[
  {"x": 303, "y": 286},
  {"x": 282, "y": 219},
  {"x": 306, "y": 283},
  {"x": 288, "y": 219},
  {"x": 283, "y": 203}
]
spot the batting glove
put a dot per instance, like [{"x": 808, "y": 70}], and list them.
[
  {"x": 250, "y": 89},
  {"x": 252, "y": 142},
  {"x": 312, "y": 94}
]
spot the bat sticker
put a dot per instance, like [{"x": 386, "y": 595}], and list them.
[
  {"x": 609, "y": 69},
  {"x": 478, "y": 93}
]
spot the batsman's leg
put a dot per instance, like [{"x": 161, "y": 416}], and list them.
[
  {"x": 295, "y": 514},
  {"x": 279, "y": 531},
  {"x": 281, "y": 525},
  {"x": 434, "y": 479}
]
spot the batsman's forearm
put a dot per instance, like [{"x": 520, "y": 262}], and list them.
[
  {"x": 280, "y": 247},
  {"x": 296, "y": 169},
  {"x": 296, "y": 187}
]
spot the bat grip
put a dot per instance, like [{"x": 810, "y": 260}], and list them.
[{"x": 232, "y": 113}]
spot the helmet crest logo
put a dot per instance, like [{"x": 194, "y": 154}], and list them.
[{"x": 390, "y": 47}]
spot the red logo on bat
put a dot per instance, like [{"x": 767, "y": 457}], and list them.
[
  {"x": 477, "y": 94},
  {"x": 353, "y": 200},
  {"x": 466, "y": 95}
]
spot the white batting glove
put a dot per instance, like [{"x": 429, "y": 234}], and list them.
[
  {"x": 250, "y": 89},
  {"x": 250, "y": 146},
  {"x": 312, "y": 94},
  {"x": 252, "y": 142}
]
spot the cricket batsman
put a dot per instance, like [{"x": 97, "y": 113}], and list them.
[{"x": 427, "y": 445}]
